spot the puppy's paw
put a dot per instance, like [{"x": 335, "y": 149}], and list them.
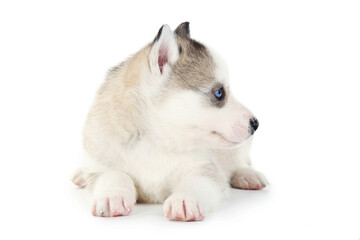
[
  {"x": 113, "y": 204},
  {"x": 248, "y": 179},
  {"x": 181, "y": 208},
  {"x": 82, "y": 178}
]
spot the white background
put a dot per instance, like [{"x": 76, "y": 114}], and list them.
[{"x": 295, "y": 64}]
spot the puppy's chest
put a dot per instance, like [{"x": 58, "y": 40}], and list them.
[{"x": 155, "y": 171}]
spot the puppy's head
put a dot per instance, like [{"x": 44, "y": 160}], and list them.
[{"x": 189, "y": 91}]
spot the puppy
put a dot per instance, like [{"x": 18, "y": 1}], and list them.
[{"x": 165, "y": 128}]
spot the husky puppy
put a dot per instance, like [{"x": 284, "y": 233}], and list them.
[{"x": 165, "y": 128}]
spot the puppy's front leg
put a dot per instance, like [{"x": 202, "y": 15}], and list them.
[
  {"x": 194, "y": 196},
  {"x": 244, "y": 176},
  {"x": 114, "y": 194}
]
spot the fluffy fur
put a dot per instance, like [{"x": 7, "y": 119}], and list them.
[{"x": 157, "y": 133}]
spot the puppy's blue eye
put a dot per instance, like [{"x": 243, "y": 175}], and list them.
[{"x": 219, "y": 94}]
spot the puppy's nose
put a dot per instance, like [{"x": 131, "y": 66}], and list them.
[{"x": 254, "y": 124}]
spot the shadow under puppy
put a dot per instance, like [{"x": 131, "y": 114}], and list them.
[{"x": 164, "y": 127}]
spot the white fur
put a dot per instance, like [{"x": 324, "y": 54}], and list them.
[{"x": 175, "y": 158}]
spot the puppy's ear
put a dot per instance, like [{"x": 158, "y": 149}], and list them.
[
  {"x": 183, "y": 30},
  {"x": 164, "y": 51}
]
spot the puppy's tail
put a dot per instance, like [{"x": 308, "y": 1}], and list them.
[{"x": 82, "y": 177}]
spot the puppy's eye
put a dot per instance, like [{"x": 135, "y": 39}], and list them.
[{"x": 219, "y": 94}]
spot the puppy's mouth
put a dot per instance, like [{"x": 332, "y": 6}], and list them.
[{"x": 223, "y": 138}]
